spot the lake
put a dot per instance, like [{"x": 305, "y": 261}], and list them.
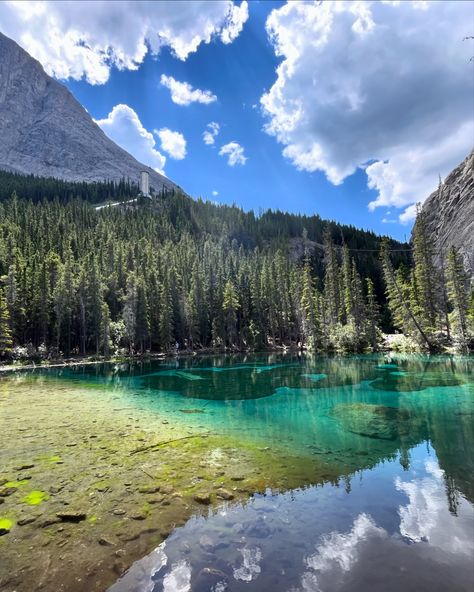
[{"x": 251, "y": 472}]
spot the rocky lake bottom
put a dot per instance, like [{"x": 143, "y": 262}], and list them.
[{"x": 260, "y": 473}]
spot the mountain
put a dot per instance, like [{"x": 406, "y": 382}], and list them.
[
  {"x": 45, "y": 131},
  {"x": 449, "y": 213}
]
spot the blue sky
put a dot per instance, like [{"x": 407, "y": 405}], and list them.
[{"x": 351, "y": 111}]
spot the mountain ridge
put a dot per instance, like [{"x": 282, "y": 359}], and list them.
[
  {"x": 449, "y": 214},
  {"x": 46, "y": 132}
]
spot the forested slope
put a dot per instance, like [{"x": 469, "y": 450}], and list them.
[{"x": 79, "y": 280}]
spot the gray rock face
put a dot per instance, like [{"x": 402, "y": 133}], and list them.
[
  {"x": 450, "y": 213},
  {"x": 46, "y": 132}
]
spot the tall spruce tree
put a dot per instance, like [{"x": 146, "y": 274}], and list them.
[
  {"x": 457, "y": 283},
  {"x": 426, "y": 275},
  {"x": 332, "y": 284},
  {"x": 5, "y": 330}
]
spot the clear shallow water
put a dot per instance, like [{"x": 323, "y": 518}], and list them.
[{"x": 386, "y": 498}]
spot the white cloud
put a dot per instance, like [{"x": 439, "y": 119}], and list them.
[
  {"x": 426, "y": 517},
  {"x": 215, "y": 193},
  {"x": 370, "y": 82},
  {"x": 235, "y": 23},
  {"x": 85, "y": 39},
  {"x": 182, "y": 93},
  {"x": 173, "y": 143},
  {"x": 234, "y": 152},
  {"x": 179, "y": 578},
  {"x": 210, "y": 134},
  {"x": 124, "y": 127},
  {"x": 339, "y": 551}
]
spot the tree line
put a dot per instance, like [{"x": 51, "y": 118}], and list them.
[{"x": 131, "y": 279}]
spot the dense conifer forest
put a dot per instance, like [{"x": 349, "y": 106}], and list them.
[{"x": 147, "y": 275}]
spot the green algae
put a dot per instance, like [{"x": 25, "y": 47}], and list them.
[
  {"x": 5, "y": 525},
  {"x": 35, "y": 498},
  {"x": 16, "y": 483},
  {"x": 50, "y": 459}
]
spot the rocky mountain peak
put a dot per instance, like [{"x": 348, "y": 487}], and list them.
[{"x": 45, "y": 131}]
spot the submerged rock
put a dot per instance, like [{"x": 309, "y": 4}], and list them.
[
  {"x": 372, "y": 421},
  {"x": 24, "y": 467},
  {"x": 149, "y": 489},
  {"x": 26, "y": 520},
  {"x": 105, "y": 542},
  {"x": 49, "y": 521},
  {"x": 202, "y": 498},
  {"x": 71, "y": 516},
  {"x": 210, "y": 579},
  {"x": 224, "y": 494},
  {"x": 7, "y": 491}
]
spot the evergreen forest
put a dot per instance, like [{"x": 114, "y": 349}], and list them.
[{"x": 172, "y": 272}]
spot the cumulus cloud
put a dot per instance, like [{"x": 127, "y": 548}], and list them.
[
  {"x": 209, "y": 136},
  {"x": 124, "y": 127},
  {"x": 235, "y": 22},
  {"x": 86, "y": 39},
  {"x": 426, "y": 517},
  {"x": 382, "y": 86},
  {"x": 339, "y": 551},
  {"x": 215, "y": 193},
  {"x": 235, "y": 153},
  {"x": 182, "y": 93},
  {"x": 173, "y": 143}
]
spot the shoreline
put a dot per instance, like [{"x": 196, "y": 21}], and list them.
[{"x": 92, "y": 360}]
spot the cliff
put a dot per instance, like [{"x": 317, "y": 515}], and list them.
[
  {"x": 45, "y": 131},
  {"x": 449, "y": 213}
]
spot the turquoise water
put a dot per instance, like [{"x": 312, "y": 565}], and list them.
[{"x": 395, "y": 434}]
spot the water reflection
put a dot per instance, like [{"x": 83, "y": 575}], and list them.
[{"x": 392, "y": 530}]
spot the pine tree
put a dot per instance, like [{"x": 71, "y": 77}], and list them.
[
  {"x": 332, "y": 290},
  {"x": 129, "y": 314},
  {"x": 398, "y": 300},
  {"x": 105, "y": 330},
  {"x": 166, "y": 314},
  {"x": 372, "y": 316},
  {"x": 426, "y": 275},
  {"x": 309, "y": 310},
  {"x": 358, "y": 312},
  {"x": 230, "y": 306},
  {"x": 6, "y": 342},
  {"x": 347, "y": 287},
  {"x": 457, "y": 283},
  {"x": 142, "y": 321}
]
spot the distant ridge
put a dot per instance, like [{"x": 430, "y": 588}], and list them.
[{"x": 45, "y": 131}]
